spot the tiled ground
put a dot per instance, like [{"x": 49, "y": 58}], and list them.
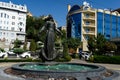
[{"x": 4, "y": 76}]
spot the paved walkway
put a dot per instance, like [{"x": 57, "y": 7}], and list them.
[
  {"x": 108, "y": 66},
  {"x": 9, "y": 77},
  {"x": 114, "y": 67}
]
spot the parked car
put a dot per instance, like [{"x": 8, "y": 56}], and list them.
[
  {"x": 12, "y": 54},
  {"x": 25, "y": 54},
  {"x": 86, "y": 55},
  {"x": 3, "y": 54}
]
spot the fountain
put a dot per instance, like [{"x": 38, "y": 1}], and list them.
[{"x": 57, "y": 70}]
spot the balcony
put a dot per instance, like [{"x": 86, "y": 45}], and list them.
[
  {"x": 92, "y": 18},
  {"x": 89, "y": 32},
  {"x": 89, "y": 11},
  {"x": 89, "y": 25}
]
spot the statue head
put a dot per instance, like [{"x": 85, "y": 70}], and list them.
[{"x": 49, "y": 18}]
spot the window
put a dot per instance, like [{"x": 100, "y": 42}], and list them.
[
  {"x": 12, "y": 28},
  {"x": 12, "y": 34},
  {"x": 7, "y": 22},
  {"x": 86, "y": 7},
  {"x": 7, "y": 34},
  {"x": 87, "y": 23},
  {"x": 87, "y": 15},
  {"x": 13, "y": 17},
  {"x": 13, "y": 23},
  {"x": 21, "y": 23},
  {"x": 0, "y": 33},
  {"x": 8, "y": 16},
  {"x": 4, "y": 22},
  {"x": 19, "y": 18},
  {"x": 4, "y": 15},
  {"x": 7, "y": 28},
  {"x": 86, "y": 37},
  {"x": 11, "y": 5},
  {"x": 1, "y": 22},
  {"x": 1, "y": 14},
  {"x": 87, "y": 30}
]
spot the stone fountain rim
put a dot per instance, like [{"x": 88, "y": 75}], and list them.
[{"x": 98, "y": 67}]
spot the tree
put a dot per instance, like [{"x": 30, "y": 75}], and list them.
[
  {"x": 66, "y": 56},
  {"x": 73, "y": 43},
  {"x": 92, "y": 44},
  {"x": 33, "y": 25},
  {"x": 109, "y": 46},
  {"x": 25, "y": 46},
  {"x": 100, "y": 45},
  {"x": 64, "y": 33},
  {"x": 18, "y": 50},
  {"x": 32, "y": 45},
  {"x": 17, "y": 43},
  {"x": 100, "y": 41}
]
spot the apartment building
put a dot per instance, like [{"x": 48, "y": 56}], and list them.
[
  {"x": 12, "y": 23},
  {"x": 84, "y": 22}
]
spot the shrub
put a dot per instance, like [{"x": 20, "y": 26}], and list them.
[
  {"x": 20, "y": 60},
  {"x": 75, "y": 55},
  {"x": 33, "y": 45},
  {"x": 107, "y": 59},
  {"x": 18, "y": 50},
  {"x": 68, "y": 58},
  {"x": 91, "y": 59},
  {"x": 60, "y": 59},
  {"x": 1, "y": 49}
]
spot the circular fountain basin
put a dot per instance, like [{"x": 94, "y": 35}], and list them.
[{"x": 57, "y": 70}]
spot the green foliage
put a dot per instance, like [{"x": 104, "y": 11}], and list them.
[
  {"x": 73, "y": 43},
  {"x": 60, "y": 59},
  {"x": 65, "y": 48},
  {"x": 75, "y": 55},
  {"x": 33, "y": 25},
  {"x": 17, "y": 43},
  {"x": 91, "y": 59},
  {"x": 1, "y": 49},
  {"x": 109, "y": 46},
  {"x": 20, "y": 60},
  {"x": 92, "y": 44},
  {"x": 107, "y": 59},
  {"x": 63, "y": 59},
  {"x": 68, "y": 58},
  {"x": 25, "y": 46},
  {"x": 63, "y": 36},
  {"x": 33, "y": 45},
  {"x": 100, "y": 45},
  {"x": 18, "y": 50}
]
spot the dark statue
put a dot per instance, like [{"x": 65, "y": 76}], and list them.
[{"x": 48, "y": 52}]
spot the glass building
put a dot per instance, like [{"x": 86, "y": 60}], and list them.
[{"x": 84, "y": 22}]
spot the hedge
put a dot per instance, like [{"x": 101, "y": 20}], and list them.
[
  {"x": 106, "y": 59},
  {"x": 20, "y": 60}
]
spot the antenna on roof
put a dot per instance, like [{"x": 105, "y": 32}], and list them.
[{"x": 85, "y": 3}]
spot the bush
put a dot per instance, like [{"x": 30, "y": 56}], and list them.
[
  {"x": 33, "y": 45},
  {"x": 18, "y": 50},
  {"x": 75, "y": 55},
  {"x": 63, "y": 59},
  {"x": 91, "y": 59},
  {"x": 107, "y": 59},
  {"x": 68, "y": 58},
  {"x": 1, "y": 49},
  {"x": 20, "y": 60},
  {"x": 60, "y": 59}
]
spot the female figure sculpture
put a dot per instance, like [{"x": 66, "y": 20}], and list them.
[{"x": 49, "y": 52}]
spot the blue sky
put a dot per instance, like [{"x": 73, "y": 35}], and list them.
[{"x": 58, "y": 8}]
